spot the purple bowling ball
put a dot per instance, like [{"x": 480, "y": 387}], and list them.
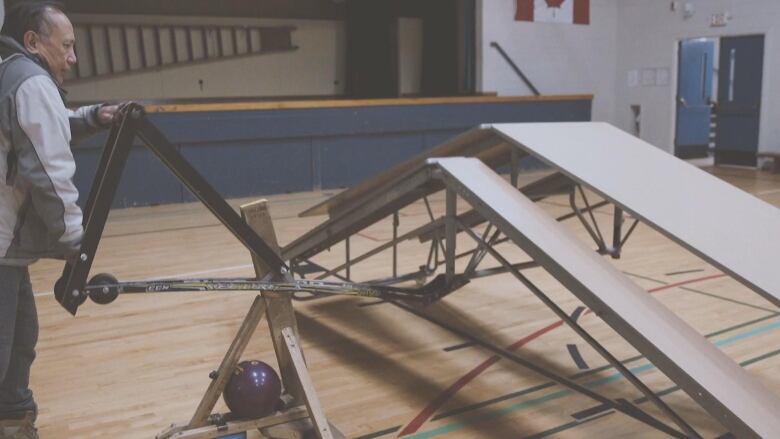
[{"x": 253, "y": 390}]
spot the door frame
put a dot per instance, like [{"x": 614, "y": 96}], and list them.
[{"x": 674, "y": 83}]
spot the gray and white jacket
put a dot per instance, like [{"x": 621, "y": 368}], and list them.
[{"x": 39, "y": 217}]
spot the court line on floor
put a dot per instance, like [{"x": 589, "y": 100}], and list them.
[
  {"x": 727, "y": 299},
  {"x": 539, "y": 387},
  {"x": 767, "y": 192},
  {"x": 429, "y": 410},
  {"x": 179, "y": 229},
  {"x": 207, "y": 225},
  {"x": 639, "y": 276},
  {"x": 677, "y": 273},
  {"x": 584, "y": 373},
  {"x": 703, "y": 293},
  {"x": 576, "y": 356},
  {"x": 574, "y": 351},
  {"x": 641, "y": 400},
  {"x": 218, "y": 224},
  {"x": 564, "y": 393}
]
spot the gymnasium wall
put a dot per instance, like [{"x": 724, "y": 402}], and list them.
[
  {"x": 316, "y": 68},
  {"x": 248, "y": 149},
  {"x": 648, "y": 34},
  {"x": 557, "y": 58}
]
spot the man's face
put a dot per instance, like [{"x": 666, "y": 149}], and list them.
[{"x": 56, "y": 48}]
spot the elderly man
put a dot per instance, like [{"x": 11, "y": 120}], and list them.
[{"x": 39, "y": 217}]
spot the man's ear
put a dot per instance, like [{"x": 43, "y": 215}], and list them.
[{"x": 31, "y": 41}]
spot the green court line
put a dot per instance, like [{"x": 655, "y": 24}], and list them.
[
  {"x": 742, "y": 325},
  {"x": 727, "y": 299},
  {"x": 641, "y": 400},
  {"x": 639, "y": 276},
  {"x": 568, "y": 426},
  {"x": 575, "y": 376},
  {"x": 714, "y": 296},
  {"x": 564, "y": 393},
  {"x": 579, "y": 375},
  {"x": 513, "y": 395}
]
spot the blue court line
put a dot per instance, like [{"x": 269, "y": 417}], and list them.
[{"x": 494, "y": 413}]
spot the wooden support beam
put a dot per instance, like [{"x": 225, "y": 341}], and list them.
[
  {"x": 316, "y": 415},
  {"x": 229, "y": 427},
  {"x": 291, "y": 422},
  {"x": 229, "y": 363},
  {"x": 284, "y": 331},
  {"x": 280, "y": 310},
  {"x": 300, "y": 429}
]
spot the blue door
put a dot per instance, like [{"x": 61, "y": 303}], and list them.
[
  {"x": 694, "y": 93},
  {"x": 739, "y": 100}
]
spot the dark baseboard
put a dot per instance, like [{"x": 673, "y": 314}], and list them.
[
  {"x": 691, "y": 151},
  {"x": 740, "y": 158}
]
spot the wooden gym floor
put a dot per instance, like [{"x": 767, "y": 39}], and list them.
[{"x": 131, "y": 368}]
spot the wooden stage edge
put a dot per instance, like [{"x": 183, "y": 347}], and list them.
[{"x": 346, "y": 103}]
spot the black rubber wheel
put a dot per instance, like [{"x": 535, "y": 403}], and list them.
[
  {"x": 106, "y": 295},
  {"x": 59, "y": 293},
  {"x": 59, "y": 289}
]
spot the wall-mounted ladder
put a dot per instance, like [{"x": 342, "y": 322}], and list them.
[{"x": 111, "y": 49}]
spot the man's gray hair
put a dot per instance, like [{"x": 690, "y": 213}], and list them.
[{"x": 29, "y": 16}]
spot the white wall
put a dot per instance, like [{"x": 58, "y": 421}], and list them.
[
  {"x": 557, "y": 58},
  {"x": 624, "y": 36},
  {"x": 648, "y": 36},
  {"x": 316, "y": 68}
]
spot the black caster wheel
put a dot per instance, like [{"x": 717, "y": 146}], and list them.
[
  {"x": 106, "y": 295},
  {"x": 59, "y": 289},
  {"x": 59, "y": 293}
]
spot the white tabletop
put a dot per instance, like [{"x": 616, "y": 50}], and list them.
[
  {"x": 722, "y": 387},
  {"x": 726, "y": 226}
]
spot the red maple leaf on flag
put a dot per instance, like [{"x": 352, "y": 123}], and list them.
[{"x": 538, "y": 10}]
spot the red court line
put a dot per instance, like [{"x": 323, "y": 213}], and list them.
[
  {"x": 448, "y": 393},
  {"x": 443, "y": 397},
  {"x": 686, "y": 282}
]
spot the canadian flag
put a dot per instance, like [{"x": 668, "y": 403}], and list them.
[{"x": 554, "y": 11}]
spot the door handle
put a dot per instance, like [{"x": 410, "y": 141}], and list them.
[{"x": 732, "y": 70}]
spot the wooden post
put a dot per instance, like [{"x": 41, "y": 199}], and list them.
[
  {"x": 229, "y": 363},
  {"x": 279, "y": 306},
  {"x": 316, "y": 414},
  {"x": 284, "y": 333},
  {"x": 303, "y": 413}
]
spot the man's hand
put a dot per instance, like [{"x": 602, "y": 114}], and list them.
[{"x": 107, "y": 114}]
